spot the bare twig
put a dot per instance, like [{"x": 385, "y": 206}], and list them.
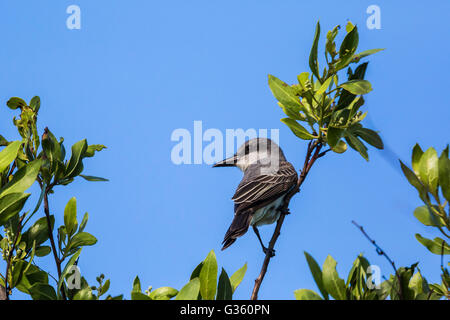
[
  {"x": 312, "y": 154},
  {"x": 381, "y": 252}
]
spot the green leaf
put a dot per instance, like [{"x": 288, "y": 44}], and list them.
[
  {"x": 347, "y": 49},
  {"x": 236, "y": 278},
  {"x": 366, "y": 53},
  {"x": 317, "y": 275},
  {"x": 357, "y": 86},
  {"x": 357, "y": 145},
  {"x": 75, "y": 164},
  {"x": 41, "y": 291},
  {"x": 8, "y": 154},
  {"x": 324, "y": 86},
  {"x": 35, "y": 103},
  {"x": 15, "y": 103},
  {"x": 43, "y": 251},
  {"x": 284, "y": 93},
  {"x": 341, "y": 147},
  {"x": 81, "y": 239},
  {"x": 22, "y": 179},
  {"x": 189, "y": 291},
  {"x": 92, "y": 178},
  {"x": 427, "y": 217},
  {"x": 416, "y": 155},
  {"x": 333, "y": 136},
  {"x": 38, "y": 231},
  {"x": 313, "y": 63},
  {"x": 444, "y": 174},
  {"x": 370, "y": 136},
  {"x": 334, "y": 285},
  {"x": 105, "y": 287},
  {"x": 70, "y": 216},
  {"x": 291, "y": 112},
  {"x": 414, "y": 181},
  {"x": 83, "y": 222},
  {"x": 208, "y": 277},
  {"x": 90, "y": 151},
  {"x": 435, "y": 246},
  {"x": 419, "y": 285},
  {"x": 306, "y": 294},
  {"x": 298, "y": 129},
  {"x": 163, "y": 293},
  {"x": 429, "y": 170},
  {"x": 136, "y": 285},
  {"x": 10, "y": 205},
  {"x": 224, "y": 289},
  {"x": 67, "y": 269}
]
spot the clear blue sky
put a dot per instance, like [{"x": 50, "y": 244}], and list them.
[{"x": 137, "y": 70}]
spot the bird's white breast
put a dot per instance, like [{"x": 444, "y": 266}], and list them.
[{"x": 268, "y": 214}]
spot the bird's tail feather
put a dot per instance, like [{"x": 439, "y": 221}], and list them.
[{"x": 238, "y": 228}]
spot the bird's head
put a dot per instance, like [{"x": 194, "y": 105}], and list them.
[{"x": 261, "y": 150}]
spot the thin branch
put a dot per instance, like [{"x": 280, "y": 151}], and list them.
[
  {"x": 312, "y": 154},
  {"x": 50, "y": 235},
  {"x": 381, "y": 252}
]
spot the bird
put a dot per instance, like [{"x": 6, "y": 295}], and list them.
[{"x": 259, "y": 197}]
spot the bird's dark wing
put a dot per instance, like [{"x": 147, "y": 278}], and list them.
[{"x": 257, "y": 190}]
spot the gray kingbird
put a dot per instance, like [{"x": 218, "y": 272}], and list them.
[{"x": 268, "y": 177}]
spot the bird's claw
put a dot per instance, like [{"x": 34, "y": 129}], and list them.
[
  {"x": 286, "y": 211},
  {"x": 271, "y": 252}
]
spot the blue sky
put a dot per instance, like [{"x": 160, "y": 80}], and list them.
[{"x": 138, "y": 70}]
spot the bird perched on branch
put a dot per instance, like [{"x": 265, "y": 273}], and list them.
[{"x": 259, "y": 198}]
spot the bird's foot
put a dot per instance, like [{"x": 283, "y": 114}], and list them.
[
  {"x": 285, "y": 211},
  {"x": 271, "y": 252}
]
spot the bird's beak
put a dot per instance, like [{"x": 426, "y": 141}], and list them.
[{"x": 228, "y": 162}]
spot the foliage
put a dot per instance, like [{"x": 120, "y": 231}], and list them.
[
  {"x": 203, "y": 284},
  {"x": 42, "y": 160},
  {"x": 430, "y": 176},
  {"x": 328, "y": 106},
  {"x": 361, "y": 285}
]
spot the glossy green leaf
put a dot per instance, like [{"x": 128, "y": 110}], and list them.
[
  {"x": 416, "y": 155},
  {"x": 284, "y": 93},
  {"x": 22, "y": 179},
  {"x": 8, "y": 154},
  {"x": 357, "y": 145},
  {"x": 92, "y": 178},
  {"x": 341, "y": 147},
  {"x": 90, "y": 151},
  {"x": 414, "y": 181},
  {"x": 370, "y": 136},
  {"x": 366, "y": 53},
  {"x": 224, "y": 289},
  {"x": 208, "y": 277},
  {"x": 427, "y": 217},
  {"x": 444, "y": 174},
  {"x": 324, "y": 86},
  {"x": 75, "y": 164},
  {"x": 333, "y": 136},
  {"x": 190, "y": 291},
  {"x": 357, "y": 86},
  {"x": 82, "y": 239},
  {"x": 15, "y": 103},
  {"x": 316, "y": 273},
  {"x": 43, "y": 251},
  {"x": 313, "y": 62},
  {"x": 429, "y": 170},
  {"x": 163, "y": 293},
  {"x": 70, "y": 216},
  {"x": 297, "y": 129},
  {"x": 436, "y": 246},
  {"x": 38, "y": 231},
  {"x": 334, "y": 285},
  {"x": 35, "y": 103},
  {"x": 10, "y": 205},
  {"x": 306, "y": 294},
  {"x": 348, "y": 48},
  {"x": 237, "y": 277},
  {"x": 41, "y": 291}
]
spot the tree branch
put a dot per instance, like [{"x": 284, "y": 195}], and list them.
[
  {"x": 312, "y": 154},
  {"x": 52, "y": 241},
  {"x": 381, "y": 252}
]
